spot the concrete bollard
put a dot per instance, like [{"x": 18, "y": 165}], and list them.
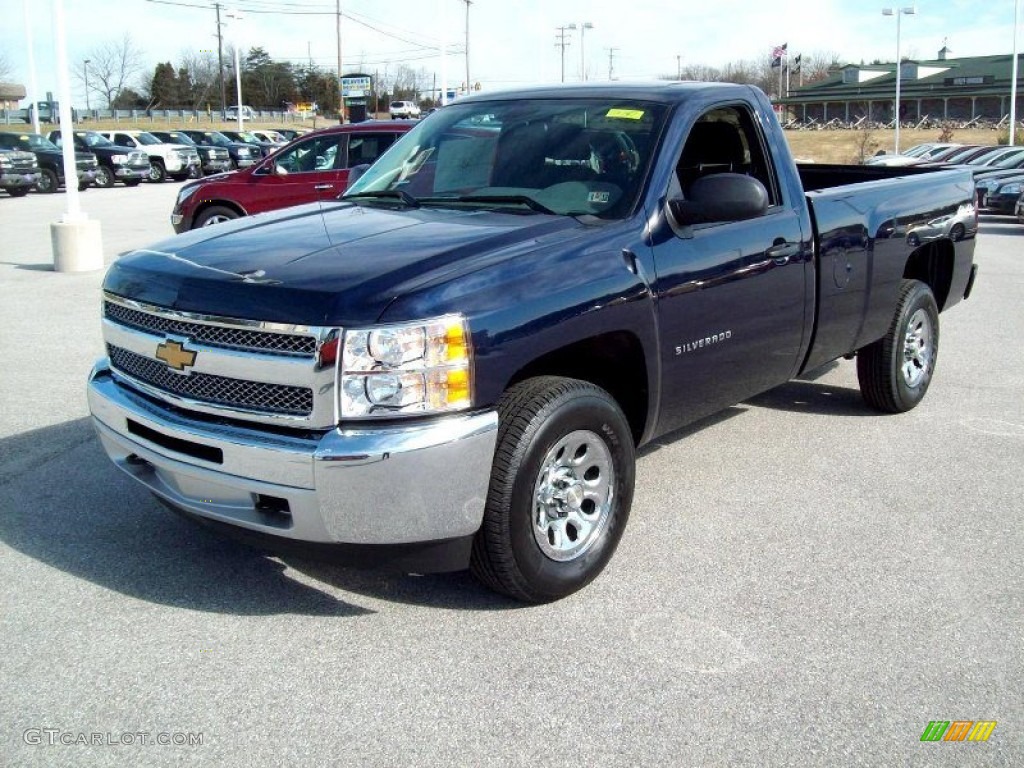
[{"x": 77, "y": 245}]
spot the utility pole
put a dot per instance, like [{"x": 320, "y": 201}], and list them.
[
  {"x": 563, "y": 39},
  {"x": 679, "y": 67},
  {"x": 611, "y": 64},
  {"x": 469, "y": 83},
  {"x": 341, "y": 90},
  {"x": 220, "y": 65}
]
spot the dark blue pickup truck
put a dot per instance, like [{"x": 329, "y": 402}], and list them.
[{"x": 454, "y": 364}]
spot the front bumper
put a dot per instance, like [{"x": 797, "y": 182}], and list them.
[
  {"x": 211, "y": 167},
  {"x": 19, "y": 179},
  {"x": 368, "y": 485},
  {"x": 131, "y": 172}
]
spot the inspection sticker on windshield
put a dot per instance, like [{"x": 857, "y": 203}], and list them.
[
  {"x": 626, "y": 114},
  {"x": 598, "y": 197}
]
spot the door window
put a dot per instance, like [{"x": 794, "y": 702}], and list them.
[
  {"x": 365, "y": 148},
  {"x": 319, "y": 154}
]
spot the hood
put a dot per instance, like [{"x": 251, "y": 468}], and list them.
[{"x": 339, "y": 264}]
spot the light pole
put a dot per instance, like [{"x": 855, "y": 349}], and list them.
[
  {"x": 898, "y": 12},
  {"x": 469, "y": 86},
  {"x": 238, "y": 69},
  {"x": 85, "y": 71},
  {"x": 584, "y": 26}
]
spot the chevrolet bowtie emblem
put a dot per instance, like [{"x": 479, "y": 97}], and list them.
[{"x": 175, "y": 355}]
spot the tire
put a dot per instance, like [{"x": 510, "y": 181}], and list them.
[
  {"x": 104, "y": 177},
  {"x": 913, "y": 241},
  {"x": 157, "y": 172},
  {"x": 551, "y": 523},
  {"x": 132, "y": 182},
  {"x": 957, "y": 232},
  {"x": 215, "y": 214},
  {"x": 48, "y": 182},
  {"x": 895, "y": 371},
  {"x": 19, "y": 191}
]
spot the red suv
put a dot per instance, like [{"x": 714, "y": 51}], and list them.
[{"x": 313, "y": 167}]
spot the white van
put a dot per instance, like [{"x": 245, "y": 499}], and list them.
[{"x": 231, "y": 113}]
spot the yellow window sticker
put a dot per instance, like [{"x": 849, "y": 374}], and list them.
[{"x": 626, "y": 114}]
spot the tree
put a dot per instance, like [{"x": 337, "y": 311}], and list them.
[
  {"x": 111, "y": 65},
  {"x": 163, "y": 88},
  {"x": 5, "y": 67},
  {"x": 266, "y": 83}
]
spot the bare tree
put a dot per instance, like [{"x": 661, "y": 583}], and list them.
[{"x": 111, "y": 66}]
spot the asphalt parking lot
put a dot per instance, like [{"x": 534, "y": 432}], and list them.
[{"x": 802, "y": 582}]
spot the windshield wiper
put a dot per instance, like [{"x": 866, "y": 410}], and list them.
[
  {"x": 529, "y": 202},
  {"x": 396, "y": 194}
]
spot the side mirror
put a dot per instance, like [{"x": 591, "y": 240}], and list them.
[
  {"x": 718, "y": 198},
  {"x": 355, "y": 172}
]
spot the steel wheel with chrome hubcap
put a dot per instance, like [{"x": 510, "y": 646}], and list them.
[
  {"x": 561, "y": 489},
  {"x": 573, "y": 497},
  {"x": 895, "y": 371}
]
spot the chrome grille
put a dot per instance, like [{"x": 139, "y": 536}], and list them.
[
  {"x": 213, "y": 335},
  {"x": 219, "y": 390}
]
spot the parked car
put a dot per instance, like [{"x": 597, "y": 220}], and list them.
[
  {"x": 247, "y": 137},
  {"x": 290, "y": 134},
  {"x": 51, "y": 160},
  {"x": 19, "y": 172},
  {"x": 242, "y": 155},
  {"x": 913, "y": 155},
  {"x": 116, "y": 163},
  {"x": 404, "y": 110},
  {"x": 232, "y": 112},
  {"x": 954, "y": 226},
  {"x": 271, "y": 137},
  {"x": 455, "y": 364},
  {"x": 1002, "y": 198},
  {"x": 212, "y": 159},
  {"x": 1020, "y": 208},
  {"x": 165, "y": 159},
  {"x": 313, "y": 167}
]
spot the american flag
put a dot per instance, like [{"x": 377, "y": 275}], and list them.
[{"x": 779, "y": 51}]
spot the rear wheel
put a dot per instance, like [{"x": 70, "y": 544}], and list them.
[
  {"x": 19, "y": 191},
  {"x": 561, "y": 490},
  {"x": 957, "y": 233},
  {"x": 48, "y": 182},
  {"x": 895, "y": 371},
  {"x": 215, "y": 214}
]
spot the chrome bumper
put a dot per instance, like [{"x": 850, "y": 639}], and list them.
[{"x": 370, "y": 485}]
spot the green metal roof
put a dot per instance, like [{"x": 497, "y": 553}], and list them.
[{"x": 966, "y": 77}]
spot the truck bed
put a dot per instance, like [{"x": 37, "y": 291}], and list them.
[{"x": 865, "y": 219}]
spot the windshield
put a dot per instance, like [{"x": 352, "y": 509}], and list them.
[
  {"x": 173, "y": 137},
  {"x": 29, "y": 141},
  {"x": 1010, "y": 161},
  {"x": 148, "y": 138},
  {"x": 216, "y": 138},
  {"x": 247, "y": 137},
  {"x": 563, "y": 156},
  {"x": 93, "y": 139}
]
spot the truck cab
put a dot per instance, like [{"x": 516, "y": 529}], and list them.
[{"x": 178, "y": 161}]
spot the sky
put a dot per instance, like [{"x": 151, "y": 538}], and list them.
[{"x": 512, "y": 42}]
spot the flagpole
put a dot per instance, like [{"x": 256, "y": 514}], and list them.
[{"x": 1013, "y": 80}]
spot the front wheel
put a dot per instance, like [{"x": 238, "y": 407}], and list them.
[
  {"x": 104, "y": 177},
  {"x": 895, "y": 371},
  {"x": 561, "y": 490},
  {"x": 48, "y": 181},
  {"x": 215, "y": 214},
  {"x": 157, "y": 172}
]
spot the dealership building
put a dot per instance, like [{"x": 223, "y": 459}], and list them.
[{"x": 940, "y": 89}]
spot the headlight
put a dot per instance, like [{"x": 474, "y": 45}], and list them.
[
  {"x": 415, "y": 368},
  {"x": 185, "y": 193},
  {"x": 5, "y": 162},
  {"x": 1010, "y": 189},
  {"x": 243, "y": 152},
  {"x": 118, "y": 159}
]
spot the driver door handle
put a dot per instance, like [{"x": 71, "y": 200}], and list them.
[
  {"x": 781, "y": 252},
  {"x": 324, "y": 186}
]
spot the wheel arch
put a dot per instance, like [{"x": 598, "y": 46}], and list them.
[
  {"x": 614, "y": 361},
  {"x": 932, "y": 264},
  {"x": 211, "y": 203}
]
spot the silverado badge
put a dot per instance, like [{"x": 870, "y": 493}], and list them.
[{"x": 175, "y": 355}]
